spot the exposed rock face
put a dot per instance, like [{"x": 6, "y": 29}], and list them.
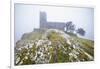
[{"x": 50, "y": 46}]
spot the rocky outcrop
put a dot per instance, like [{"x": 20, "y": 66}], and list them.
[{"x": 50, "y": 46}]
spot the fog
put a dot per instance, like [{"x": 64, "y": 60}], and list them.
[{"x": 27, "y": 18}]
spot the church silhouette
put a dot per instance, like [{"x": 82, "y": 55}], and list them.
[{"x": 51, "y": 25}]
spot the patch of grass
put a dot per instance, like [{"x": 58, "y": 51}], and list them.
[
  {"x": 71, "y": 34},
  {"x": 87, "y": 45},
  {"x": 32, "y": 35}
]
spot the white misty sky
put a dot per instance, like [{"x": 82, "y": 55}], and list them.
[{"x": 27, "y": 18}]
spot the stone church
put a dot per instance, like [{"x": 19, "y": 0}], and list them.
[{"x": 44, "y": 24}]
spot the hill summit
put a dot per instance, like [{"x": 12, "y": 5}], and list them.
[{"x": 52, "y": 46}]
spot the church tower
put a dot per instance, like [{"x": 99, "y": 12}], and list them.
[{"x": 43, "y": 19}]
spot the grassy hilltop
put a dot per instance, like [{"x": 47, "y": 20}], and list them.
[{"x": 52, "y": 46}]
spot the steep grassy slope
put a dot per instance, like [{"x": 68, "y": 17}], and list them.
[{"x": 52, "y": 46}]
